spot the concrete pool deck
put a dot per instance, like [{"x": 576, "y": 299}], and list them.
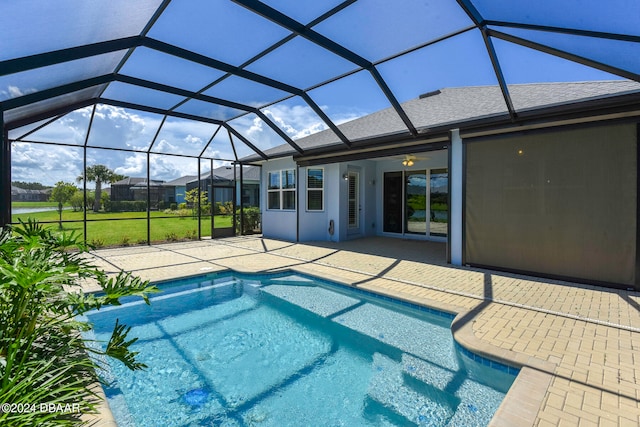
[{"x": 579, "y": 344}]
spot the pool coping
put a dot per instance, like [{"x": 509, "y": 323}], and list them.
[{"x": 527, "y": 391}]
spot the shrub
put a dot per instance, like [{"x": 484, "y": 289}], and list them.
[
  {"x": 173, "y": 206},
  {"x": 43, "y": 358},
  {"x": 171, "y": 237},
  {"x": 96, "y": 243},
  {"x": 226, "y": 208},
  {"x": 182, "y": 206},
  {"x": 125, "y": 241},
  {"x": 252, "y": 219},
  {"x": 125, "y": 206},
  {"x": 205, "y": 209},
  {"x": 191, "y": 234}
]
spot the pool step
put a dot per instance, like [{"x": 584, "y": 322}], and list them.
[
  {"x": 293, "y": 280},
  {"x": 399, "y": 393}
]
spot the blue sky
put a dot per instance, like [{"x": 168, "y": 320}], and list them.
[{"x": 220, "y": 29}]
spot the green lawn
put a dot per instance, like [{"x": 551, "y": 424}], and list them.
[
  {"x": 34, "y": 204},
  {"x": 129, "y": 228}
]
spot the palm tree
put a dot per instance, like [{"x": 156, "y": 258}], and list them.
[{"x": 99, "y": 174}]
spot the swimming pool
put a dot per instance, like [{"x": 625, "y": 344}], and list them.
[{"x": 285, "y": 349}]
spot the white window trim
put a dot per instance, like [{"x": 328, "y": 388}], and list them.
[
  {"x": 281, "y": 190},
  {"x": 314, "y": 189}
]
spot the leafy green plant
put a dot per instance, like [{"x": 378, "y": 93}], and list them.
[
  {"x": 125, "y": 241},
  {"x": 96, "y": 243},
  {"x": 191, "y": 234},
  {"x": 43, "y": 356},
  {"x": 171, "y": 237},
  {"x": 251, "y": 220}
]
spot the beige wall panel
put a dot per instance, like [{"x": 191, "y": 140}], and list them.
[{"x": 557, "y": 203}]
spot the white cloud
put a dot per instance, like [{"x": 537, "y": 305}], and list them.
[
  {"x": 297, "y": 121},
  {"x": 115, "y": 127},
  {"x": 46, "y": 164},
  {"x": 135, "y": 165},
  {"x": 119, "y": 128},
  {"x": 13, "y": 91},
  {"x": 162, "y": 167}
]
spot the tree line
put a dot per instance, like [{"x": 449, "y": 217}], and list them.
[{"x": 29, "y": 185}]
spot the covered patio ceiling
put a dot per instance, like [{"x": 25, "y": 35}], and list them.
[{"x": 231, "y": 79}]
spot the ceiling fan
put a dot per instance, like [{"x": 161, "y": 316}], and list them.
[{"x": 410, "y": 159}]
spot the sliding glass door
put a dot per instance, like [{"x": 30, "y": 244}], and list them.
[
  {"x": 392, "y": 202},
  {"x": 416, "y": 202},
  {"x": 439, "y": 202}
]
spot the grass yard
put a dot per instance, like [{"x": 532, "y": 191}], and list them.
[
  {"x": 128, "y": 228},
  {"x": 15, "y": 205}
]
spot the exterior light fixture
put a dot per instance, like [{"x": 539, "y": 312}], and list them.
[
  {"x": 345, "y": 177},
  {"x": 408, "y": 161}
]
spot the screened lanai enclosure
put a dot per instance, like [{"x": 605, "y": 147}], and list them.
[{"x": 163, "y": 96}]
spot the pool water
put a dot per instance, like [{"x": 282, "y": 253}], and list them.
[{"x": 289, "y": 350}]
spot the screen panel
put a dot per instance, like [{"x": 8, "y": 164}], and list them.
[{"x": 560, "y": 204}]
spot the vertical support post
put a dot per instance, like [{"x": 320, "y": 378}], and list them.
[
  {"x": 84, "y": 191},
  {"x": 233, "y": 202},
  {"x": 84, "y": 174},
  {"x": 148, "y": 199},
  {"x": 210, "y": 187},
  {"x": 199, "y": 222},
  {"x": 198, "y": 205},
  {"x": 241, "y": 199},
  {"x": 637, "y": 272},
  {"x": 456, "y": 166},
  {"x": 5, "y": 174},
  {"x": 297, "y": 202}
]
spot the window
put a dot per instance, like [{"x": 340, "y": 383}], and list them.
[
  {"x": 282, "y": 190},
  {"x": 315, "y": 189},
  {"x": 274, "y": 190}
]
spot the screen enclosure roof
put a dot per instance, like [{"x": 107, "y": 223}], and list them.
[{"x": 234, "y": 79}]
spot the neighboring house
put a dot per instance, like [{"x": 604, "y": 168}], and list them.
[
  {"x": 176, "y": 190},
  {"x": 222, "y": 179},
  {"x": 554, "y": 194},
  {"x": 130, "y": 189},
  {"x": 24, "y": 195}
]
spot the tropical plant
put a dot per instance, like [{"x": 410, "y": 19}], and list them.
[
  {"x": 99, "y": 174},
  {"x": 62, "y": 193},
  {"x": 43, "y": 356},
  {"x": 191, "y": 197}
]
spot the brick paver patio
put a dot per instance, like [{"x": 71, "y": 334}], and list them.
[{"x": 578, "y": 344}]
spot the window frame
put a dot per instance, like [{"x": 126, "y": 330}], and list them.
[
  {"x": 315, "y": 189},
  {"x": 284, "y": 186}
]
